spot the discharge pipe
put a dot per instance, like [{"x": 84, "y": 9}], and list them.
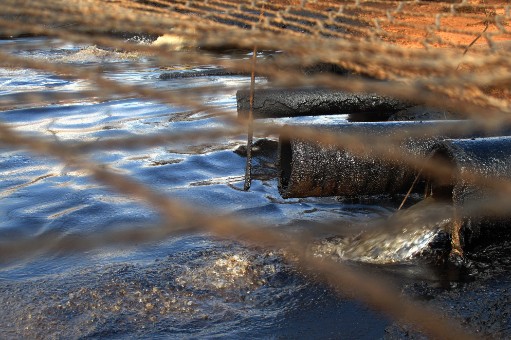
[
  {"x": 483, "y": 208},
  {"x": 310, "y": 168},
  {"x": 281, "y": 103}
]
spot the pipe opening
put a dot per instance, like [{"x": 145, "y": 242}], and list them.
[
  {"x": 285, "y": 164},
  {"x": 441, "y": 188}
]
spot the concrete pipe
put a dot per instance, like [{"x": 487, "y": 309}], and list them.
[
  {"x": 308, "y": 168},
  {"x": 483, "y": 207},
  {"x": 280, "y": 103}
]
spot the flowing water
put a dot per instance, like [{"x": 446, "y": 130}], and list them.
[
  {"x": 406, "y": 236},
  {"x": 189, "y": 285}
]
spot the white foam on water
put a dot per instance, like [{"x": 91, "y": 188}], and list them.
[{"x": 404, "y": 236}]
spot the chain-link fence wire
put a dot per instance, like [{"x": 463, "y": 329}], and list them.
[{"x": 451, "y": 55}]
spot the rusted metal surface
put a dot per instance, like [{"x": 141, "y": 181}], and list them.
[
  {"x": 280, "y": 103},
  {"x": 312, "y": 169}
]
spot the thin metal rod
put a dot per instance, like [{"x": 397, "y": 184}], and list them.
[
  {"x": 250, "y": 126},
  {"x": 410, "y": 190}
]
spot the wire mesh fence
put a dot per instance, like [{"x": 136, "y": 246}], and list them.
[{"x": 449, "y": 55}]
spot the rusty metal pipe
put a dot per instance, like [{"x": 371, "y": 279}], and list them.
[
  {"x": 280, "y": 103},
  {"x": 311, "y": 169}
]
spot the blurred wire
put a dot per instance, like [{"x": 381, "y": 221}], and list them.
[{"x": 426, "y": 52}]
